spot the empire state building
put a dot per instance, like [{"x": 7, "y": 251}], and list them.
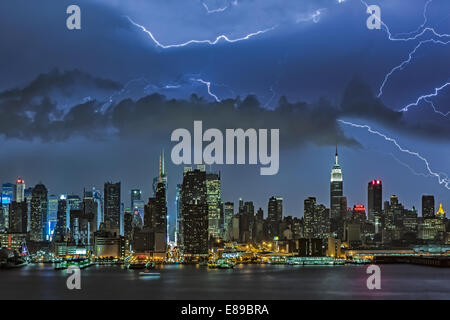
[{"x": 336, "y": 188}]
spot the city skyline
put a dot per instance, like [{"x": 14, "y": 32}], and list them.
[
  {"x": 320, "y": 59},
  {"x": 374, "y": 204},
  {"x": 225, "y": 149}
]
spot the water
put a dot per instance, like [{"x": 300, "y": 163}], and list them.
[{"x": 243, "y": 282}]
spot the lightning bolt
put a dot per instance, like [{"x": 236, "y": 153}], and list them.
[
  {"x": 415, "y": 35},
  {"x": 426, "y": 97},
  {"x": 209, "y": 42},
  {"x": 435, "y": 109},
  {"x": 151, "y": 87},
  {"x": 315, "y": 16},
  {"x": 125, "y": 88},
  {"x": 402, "y": 65},
  {"x": 442, "y": 178},
  {"x": 148, "y": 86},
  {"x": 214, "y": 10},
  {"x": 425, "y": 19},
  {"x": 208, "y": 86},
  {"x": 414, "y": 172}
]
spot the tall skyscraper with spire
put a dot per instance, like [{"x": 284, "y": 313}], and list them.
[
  {"x": 336, "y": 188},
  {"x": 161, "y": 181},
  {"x": 162, "y": 176}
]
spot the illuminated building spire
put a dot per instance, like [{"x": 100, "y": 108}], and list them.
[
  {"x": 159, "y": 171},
  {"x": 336, "y": 172},
  {"x": 336, "y": 157},
  {"x": 441, "y": 212},
  {"x": 163, "y": 170}
]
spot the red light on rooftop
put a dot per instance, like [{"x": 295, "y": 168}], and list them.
[{"x": 359, "y": 207}]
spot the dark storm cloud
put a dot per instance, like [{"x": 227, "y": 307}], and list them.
[
  {"x": 298, "y": 122},
  {"x": 32, "y": 111},
  {"x": 29, "y": 114},
  {"x": 359, "y": 101},
  {"x": 66, "y": 83}
]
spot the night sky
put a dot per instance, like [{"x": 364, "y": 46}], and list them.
[{"x": 82, "y": 107}]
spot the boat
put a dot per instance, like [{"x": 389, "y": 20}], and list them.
[
  {"x": 314, "y": 261},
  {"x": 80, "y": 263},
  {"x": 225, "y": 264}
]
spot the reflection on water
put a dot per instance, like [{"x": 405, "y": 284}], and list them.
[{"x": 242, "y": 282}]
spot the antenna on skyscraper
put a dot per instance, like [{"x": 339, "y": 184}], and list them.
[
  {"x": 336, "y": 155},
  {"x": 159, "y": 171},
  {"x": 163, "y": 170}
]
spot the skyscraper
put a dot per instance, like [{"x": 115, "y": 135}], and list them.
[
  {"x": 90, "y": 210},
  {"x": 52, "y": 215},
  {"x": 156, "y": 210},
  {"x": 179, "y": 222},
  {"x": 275, "y": 215},
  {"x": 374, "y": 199},
  {"x": 316, "y": 219},
  {"x": 20, "y": 190},
  {"x": 228, "y": 216},
  {"x": 194, "y": 210},
  {"x": 428, "y": 206},
  {"x": 128, "y": 224},
  {"x": 39, "y": 208},
  {"x": 246, "y": 221},
  {"x": 214, "y": 202},
  {"x": 61, "y": 224},
  {"x": 98, "y": 199},
  {"x": 7, "y": 196},
  {"x": 74, "y": 203},
  {"x": 440, "y": 213},
  {"x": 155, "y": 219},
  {"x": 112, "y": 205},
  {"x": 18, "y": 217},
  {"x": 309, "y": 211},
  {"x": 162, "y": 176},
  {"x": 28, "y": 194},
  {"x": 135, "y": 195},
  {"x": 336, "y": 188},
  {"x": 241, "y": 205}
]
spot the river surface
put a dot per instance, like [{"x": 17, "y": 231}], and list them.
[{"x": 41, "y": 281}]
